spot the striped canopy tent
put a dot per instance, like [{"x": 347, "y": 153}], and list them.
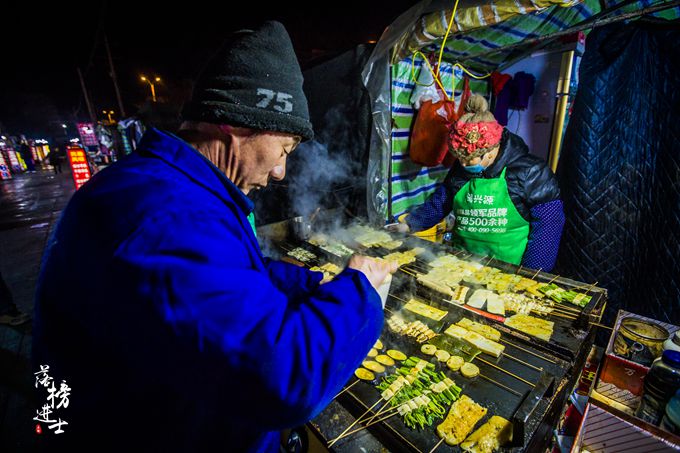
[{"x": 484, "y": 36}]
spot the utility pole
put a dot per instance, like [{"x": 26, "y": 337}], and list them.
[
  {"x": 113, "y": 77},
  {"x": 93, "y": 118}
]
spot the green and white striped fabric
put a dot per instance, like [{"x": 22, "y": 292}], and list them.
[{"x": 412, "y": 183}]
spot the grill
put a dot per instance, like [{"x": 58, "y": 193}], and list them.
[{"x": 528, "y": 384}]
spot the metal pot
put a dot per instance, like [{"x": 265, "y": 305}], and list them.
[
  {"x": 639, "y": 340},
  {"x": 301, "y": 227}
]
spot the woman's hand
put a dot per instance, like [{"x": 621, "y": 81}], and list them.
[{"x": 400, "y": 227}]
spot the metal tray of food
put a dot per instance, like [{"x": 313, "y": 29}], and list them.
[{"x": 526, "y": 406}]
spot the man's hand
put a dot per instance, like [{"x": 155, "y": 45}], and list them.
[{"x": 375, "y": 270}]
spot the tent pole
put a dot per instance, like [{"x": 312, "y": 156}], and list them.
[
  {"x": 391, "y": 151},
  {"x": 563, "y": 84}
]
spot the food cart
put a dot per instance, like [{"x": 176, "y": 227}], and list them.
[{"x": 526, "y": 380}]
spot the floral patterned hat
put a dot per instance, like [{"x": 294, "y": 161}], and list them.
[{"x": 476, "y": 132}]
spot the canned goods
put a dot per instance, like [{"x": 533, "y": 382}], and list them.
[{"x": 639, "y": 340}]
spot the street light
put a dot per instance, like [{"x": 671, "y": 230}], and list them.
[
  {"x": 153, "y": 88},
  {"x": 109, "y": 113}
]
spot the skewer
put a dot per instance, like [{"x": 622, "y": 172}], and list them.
[
  {"x": 379, "y": 412},
  {"x": 490, "y": 259},
  {"x": 288, "y": 244},
  {"x": 409, "y": 269},
  {"x": 519, "y": 269},
  {"x": 522, "y": 362},
  {"x": 417, "y": 264},
  {"x": 537, "y": 272},
  {"x": 559, "y": 315},
  {"x": 505, "y": 371},
  {"x": 284, "y": 248},
  {"x": 551, "y": 307},
  {"x": 423, "y": 270},
  {"x": 382, "y": 409},
  {"x": 330, "y": 444},
  {"x": 565, "y": 307},
  {"x": 584, "y": 286},
  {"x": 397, "y": 297},
  {"x": 553, "y": 279},
  {"x": 387, "y": 414},
  {"x": 601, "y": 325},
  {"x": 407, "y": 272},
  {"x": 564, "y": 312},
  {"x": 568, "y": 307},
  {"x": 527, "y": 351},
  {"x": 370, "y": 424},
  {"x": 346, "y": 388},
  {"x": 437, "y": 446},
  {"x": 500, "y": 385}
]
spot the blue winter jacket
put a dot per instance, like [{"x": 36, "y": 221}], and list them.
[{"x": 157, "y": 308}]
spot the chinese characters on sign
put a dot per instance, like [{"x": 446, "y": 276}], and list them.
[
  {"x": 56, "y": 399},
  {"x": 480, "y": 199},
  {"x": 483, "y": 220},
  {"x": 79, "y": 166},
  {"x": 87, "y": 134}
]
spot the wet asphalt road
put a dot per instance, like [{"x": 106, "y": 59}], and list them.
[{"x": 30, "y": 205}]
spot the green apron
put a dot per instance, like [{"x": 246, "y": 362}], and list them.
[{"x": 487, "y": 221}]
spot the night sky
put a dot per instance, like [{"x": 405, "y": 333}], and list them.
[{"x": 41, "y": 45}]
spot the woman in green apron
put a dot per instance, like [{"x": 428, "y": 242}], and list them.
[{"x": 505, "y": 201}]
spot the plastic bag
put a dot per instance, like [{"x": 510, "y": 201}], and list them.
[
  {"x": 426, "y": 89},
  {"x": 429, "y": 143}
]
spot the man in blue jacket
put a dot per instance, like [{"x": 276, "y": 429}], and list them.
[{"x": 155, "y": 304}]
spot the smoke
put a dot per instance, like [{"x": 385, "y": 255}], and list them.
[
  {"x": 325, "y": 166},
  {"x": 318, "y": 172},
  {"x": 269, "y": 248},
  {"x": 429, "y": 254}
]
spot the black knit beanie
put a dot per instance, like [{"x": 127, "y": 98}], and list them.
[{"x": 254, "y": 81}]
